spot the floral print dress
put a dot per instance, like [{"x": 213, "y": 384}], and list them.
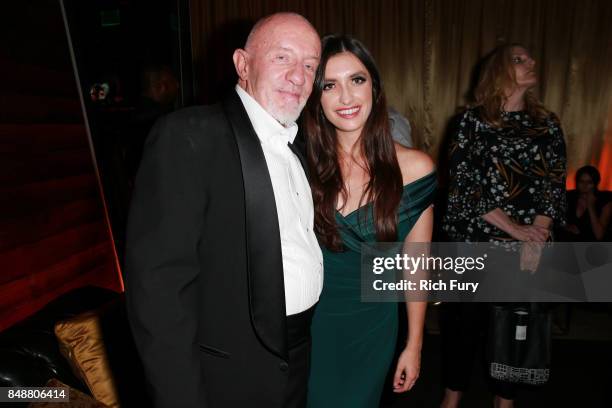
[{"x": 519, "y": 168}]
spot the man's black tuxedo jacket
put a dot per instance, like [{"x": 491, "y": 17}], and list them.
[{"x": 204, "y": 276}]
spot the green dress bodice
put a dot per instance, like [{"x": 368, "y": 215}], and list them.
[{"x": 353, "y": 342}]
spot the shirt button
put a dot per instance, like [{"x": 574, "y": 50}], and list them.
[{"x": 283, "y": 366}]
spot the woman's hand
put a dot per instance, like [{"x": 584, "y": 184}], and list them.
[
  {"x": 538, "y": 232},
  {"x": 408, "y": 369},
  {"x": 585, "y": 202},
  {"x": 531, "y": 253},
  {"x": 529, "y": 233},
  {"x": 590, "y": 199},
  {"x": 572, "y": 228}
]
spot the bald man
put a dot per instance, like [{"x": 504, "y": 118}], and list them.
[{"x": 223, "y": 269}]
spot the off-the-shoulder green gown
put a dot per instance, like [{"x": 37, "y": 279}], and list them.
[{"x": 352, "y": 342}]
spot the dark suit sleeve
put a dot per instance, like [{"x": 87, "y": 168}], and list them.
[{"x": 162, "y": 264}]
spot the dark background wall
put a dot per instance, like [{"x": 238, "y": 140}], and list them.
[
  {"x": 427, "y": 49},
  {"x": 54, "y": 235}
]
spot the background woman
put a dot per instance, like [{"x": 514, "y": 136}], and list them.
[
  {"x": 507, "y": 183},
  {"x": 589, "y": 210},
  {"x": 365, "y": 189}
]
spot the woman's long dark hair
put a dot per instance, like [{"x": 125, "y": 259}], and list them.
[{"x": 384, "y": 188}]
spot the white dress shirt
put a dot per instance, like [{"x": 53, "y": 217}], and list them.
[{"x": 302, "y": 258}]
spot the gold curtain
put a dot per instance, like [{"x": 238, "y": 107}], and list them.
[{"x": 426, "y": 51}]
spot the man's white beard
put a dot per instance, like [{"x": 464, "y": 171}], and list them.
[{"x": 286, "y": 116}]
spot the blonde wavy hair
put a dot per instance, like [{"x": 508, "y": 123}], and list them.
[{"x": 496, "y": 76}]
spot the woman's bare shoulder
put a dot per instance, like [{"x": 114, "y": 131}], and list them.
[{"x": 413, "y": 163}]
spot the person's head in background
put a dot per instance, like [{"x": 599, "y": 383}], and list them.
[
  {"x": 506, "y": 83},
  {"x": 401, "y": 131},
  {"x": 98, "y": 92},
  {"x": 159, "y": 84},
  {"x": 587, "y": 179},
  {"x": 278, "y": 63}
]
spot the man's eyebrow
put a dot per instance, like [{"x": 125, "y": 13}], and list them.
[
  {"x": 288, "y": 49},
  {"x": 280, "y": 48}
]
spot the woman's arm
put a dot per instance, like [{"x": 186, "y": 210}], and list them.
[
  {"x": 420, "y": 233},
  {"x": 414, "y": 165},
  {"x": 409, "y": 362},
  {"x": 551, "y": 200},
  {"x": 599, "y": 223},
  {"x": 538, "y": 231}
]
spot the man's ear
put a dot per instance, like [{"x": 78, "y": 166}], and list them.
[{"x": 241, "y": 63}]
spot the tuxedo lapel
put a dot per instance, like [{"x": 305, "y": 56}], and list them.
[{"x": 264, "y": 257}]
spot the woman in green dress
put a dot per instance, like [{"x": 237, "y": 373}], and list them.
[{"x": 366, "y": 188}]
